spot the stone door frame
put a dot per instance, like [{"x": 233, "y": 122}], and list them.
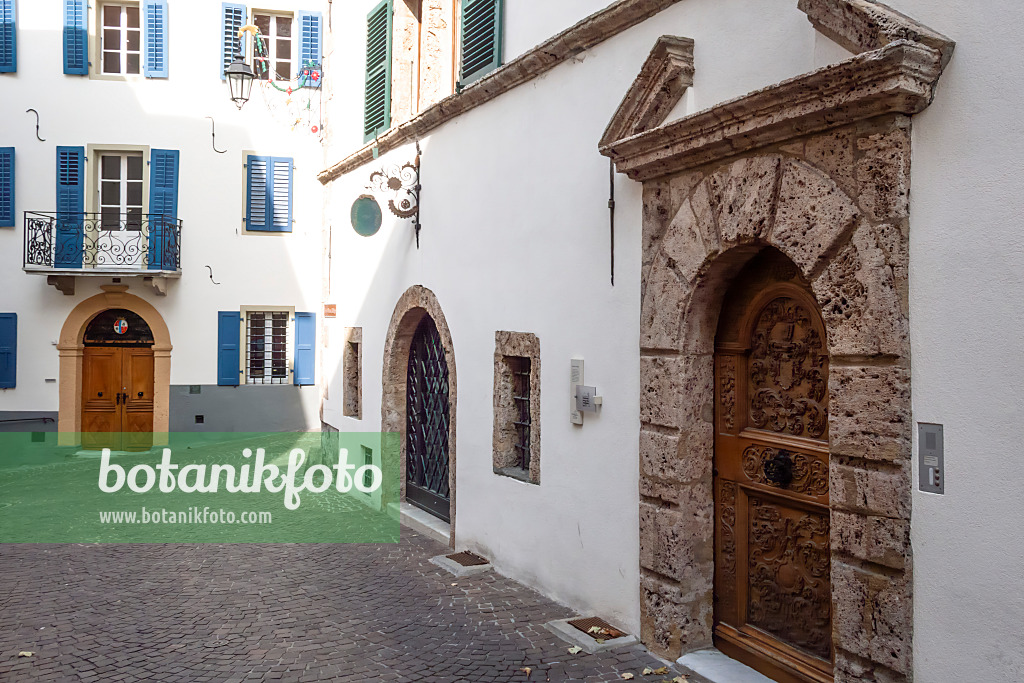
[{"x": 412, "y": 306}]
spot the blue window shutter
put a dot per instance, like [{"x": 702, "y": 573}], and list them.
[
  {"x": 269, "y": 194},
  {"x": 377, "y": 94},
  {"x": 305, "y": 349},
  {"x": 228, "y": 341},
  {"x": 163, "y": 204},
  {"x": 70, "y": 207},
  {"x": 154, "y": 13},
  {"x": 8, "y": 37},
  {"x": 281, "y": 194},
  {"x": 8, "y": 350},
  {"x": 76, "y": 37},
  {"x": 311, "y": 43},
  {"x": 232, "y": 19},
  {"x": 7, "y": 214},
  {"x": 480, "y": 38}
]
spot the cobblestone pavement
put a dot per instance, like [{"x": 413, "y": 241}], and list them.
[{"x": 279, "y": 612}]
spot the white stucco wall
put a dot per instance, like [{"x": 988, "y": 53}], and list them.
[
  {"x": 515, "y": 237},
  {"x": 966, "y": 313},
  {"x": 253, "y": 270}
]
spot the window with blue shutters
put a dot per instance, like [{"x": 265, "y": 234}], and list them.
[
  {"x": 311, "y": 44},
  {"x": 232, "y": 19},
  {"x": 304, "y": 364},
  {"x": 70, "y": 207},
  {"x": 155, "y": 58},
  {"x": 8, "y": 37},
  {"x": 8, "y": 350},
  {"x": 268, "y": 194},
  {"x": 163, "y": 207},
  {"x": 76, "y": 37},
  {"x": 7, "y": 214},
  {"x": 377, "y": 96},
  {"x": 229, "y": 334},
  {"x": 480, "y": 38}
]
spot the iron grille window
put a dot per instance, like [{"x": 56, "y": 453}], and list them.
[
  {"x": 266, "y": 347},
  {"x": 367, "y": 474},
  {"x": 520, "y": 368}
]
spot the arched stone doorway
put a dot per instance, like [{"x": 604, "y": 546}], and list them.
[
  {"x": 702, "y": 228},
  {"x": 71, "y": 347},
  {"x": 416, "y": 320}
]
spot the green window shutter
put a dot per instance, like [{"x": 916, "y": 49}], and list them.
[
  {"x": 480, "y": 28},
  {"x": 377, "y": 102}
]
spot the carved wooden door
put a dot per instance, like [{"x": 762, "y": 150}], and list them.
[
  {"x": 772, "y": 558},
  {"x": 117, "y": 398}
]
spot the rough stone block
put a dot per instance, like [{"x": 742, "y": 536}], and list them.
[
  {"x": 884, "y": 493},
  {"x": 676, "y": 543},
  {"x": 859, "y": 302},
  {"x": 746, "y": 198},
  {"x": 679, "y": 458},
  {"x": 812, "y": 213},
  {"x": 882, "y": 540},
  {"x": 872, "y": 615},
  {"x": 674, "y": 389},
  {"x": 668, "y": 624},
  {"x": 869, "y": 412},
  {"x": 883, "y": 174},
  {"x": 688, "y": 243},
  {"x": 665, "y": 298},
  {"x": 833, "y": 153}
]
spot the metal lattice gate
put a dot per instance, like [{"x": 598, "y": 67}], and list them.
[{"x": 427, "y": 423}]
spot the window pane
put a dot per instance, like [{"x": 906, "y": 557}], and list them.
[
  {"x": 134, "y": 40},
  {"x": 262, "y": 22},
  {"x": 284, "y": 27},
  {"x": 284, "y": 71},
  {"x": 284, "y": 49},
  {"x": 135, "y": 194},
  {"x": 112, "y": 15},
  {"x": 111, "y": 63},
  {"x": 134, "y": 219},
  {"x": 111, "y": 39},
  {"x": 134, "y": 168},
  {"x": 111, "y": 167},
  {"x": 133, "y": 64},
  {"x": 110, "y": 194},
  {"x": 133, "y": 17},
  {"x": 110, "y": 219}
]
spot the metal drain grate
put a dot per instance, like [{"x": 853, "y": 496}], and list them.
[
  {"x": 607, "y": 632},
  {"x": 468, "y": 559}
]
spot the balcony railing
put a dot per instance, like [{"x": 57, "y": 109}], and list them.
[{"x": 86, "y": 242}]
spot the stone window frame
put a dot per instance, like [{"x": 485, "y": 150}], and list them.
[
  {"x": 352, "y": 373},
  {"x": 515, "y": 345}
]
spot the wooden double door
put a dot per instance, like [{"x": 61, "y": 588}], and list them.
[
  {"x": 772, "y": 554},
  {"x": 117, "y": 397}
]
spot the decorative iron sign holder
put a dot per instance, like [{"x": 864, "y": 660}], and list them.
[{"x": 400, "y": 186}]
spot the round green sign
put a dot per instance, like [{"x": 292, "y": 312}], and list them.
[{"x": 366, "y": 215}]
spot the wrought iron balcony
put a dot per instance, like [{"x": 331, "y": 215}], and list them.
[{"x": 102, "y": 243}]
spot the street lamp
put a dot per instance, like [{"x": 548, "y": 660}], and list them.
[{"x": 240, "y": 77}]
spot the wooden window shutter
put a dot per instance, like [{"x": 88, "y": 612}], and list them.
[
  {"x": 377, "y": 102},
  {"x": 480, "y": 33}
]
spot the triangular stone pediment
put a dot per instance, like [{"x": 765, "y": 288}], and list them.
[{"x": 664, "y": 77}]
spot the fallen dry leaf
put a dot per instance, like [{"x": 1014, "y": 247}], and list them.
[
  {"x": 627, "y": 677},
  {"x": 25, "y": 653},
  {"x": 681, "y": 679},
  {"x": 647, "y": 671},
  {"x": 526, "y": 670},
  {"x": 599, "y": 641},
  {"x": 661, "y": 670},
  {"x": 594, "y": 629},
  {"x": 575, "y": 649}
]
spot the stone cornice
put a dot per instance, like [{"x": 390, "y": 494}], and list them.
[
  {"x": 897, "y": 78},
  {"x": 663, "y": 79},
  {"x": 589, "y": 32}
]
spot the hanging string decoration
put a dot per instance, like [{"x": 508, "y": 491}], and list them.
[{"x": 295, "y": 101}]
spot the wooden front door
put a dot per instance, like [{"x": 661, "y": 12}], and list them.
[
  {"x": 772, "y": 557},
  {"x": 117, "y": 398}
]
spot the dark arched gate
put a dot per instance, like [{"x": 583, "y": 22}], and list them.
[{"x": 427, "y": 420}]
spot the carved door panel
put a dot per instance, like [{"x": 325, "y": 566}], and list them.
[
  {"x": 137, "y": 378},
  {"x": 772, "y": 556},
  {"x": 101, "y": 404}
]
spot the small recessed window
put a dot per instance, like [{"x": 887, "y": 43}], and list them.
[
  {"x": 120, "y": 39},
  {"x": 517, "y": 406},
  {"x": 352, "y": 368},
  {"x": 266, "y": 347}
]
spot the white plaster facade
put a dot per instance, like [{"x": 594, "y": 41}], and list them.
[
  {"x": 254, "y": 270},
  {"x": 515, "y": 236}
]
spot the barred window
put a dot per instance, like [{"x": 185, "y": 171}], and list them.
[{"x": 266, "y": 347}]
